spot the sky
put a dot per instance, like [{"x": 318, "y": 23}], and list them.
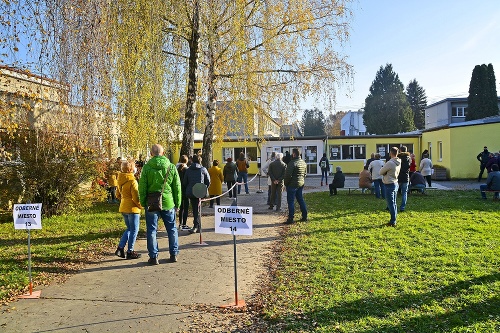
[{"x": 436, "y": 42}]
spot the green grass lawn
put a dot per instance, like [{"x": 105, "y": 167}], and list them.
[
  {"x": 345, "y": 271},
  {"x": 61, "y": 247}
]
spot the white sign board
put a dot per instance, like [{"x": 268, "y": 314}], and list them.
[
  {"x": 27, "y": 216},
  {"x": 233, "y": 220}
]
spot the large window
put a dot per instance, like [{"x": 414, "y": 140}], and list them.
[
  {"x": 458, "y": 111},
  {"x": 234, "y": 153},
  {"x": 383, "y": 149},
  {"x": 347, "y": 152}
]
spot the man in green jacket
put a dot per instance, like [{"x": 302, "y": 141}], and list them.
[
  {"x": 152, "y": 180},
  {"x": 294, "y": 182}
]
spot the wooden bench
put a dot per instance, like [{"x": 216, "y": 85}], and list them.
[
  {"x": 410, "y": 188},
  {"x": 494, "y": 192}
]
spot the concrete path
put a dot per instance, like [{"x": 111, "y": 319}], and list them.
[{"x": 118, "y": 295}]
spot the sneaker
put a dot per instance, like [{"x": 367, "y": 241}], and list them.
[
  {"x": 173, "y": 258},
  {"x": 390, "y": 224},
  {"x": 304, "y": 219},
  {"x": 185, "y": 227},
  {"x": 133, "y": 255},
  {"x": 153, "y": 261},
  {"x": 194, "y": 230},
  {"x": 321, "y": 183},
  {"x": 270, "y": 207},
  {"x": 120, "y": 252},
  {"x": 289, "y": 221}
]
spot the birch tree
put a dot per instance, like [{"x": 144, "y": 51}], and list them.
[{"x": 271, "y": 53}]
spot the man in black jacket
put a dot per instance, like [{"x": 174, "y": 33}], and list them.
[
  {"x": 404, "y": 175},
  {"x": 483, "y": 158},
  {"x": 196, "y": 173}
]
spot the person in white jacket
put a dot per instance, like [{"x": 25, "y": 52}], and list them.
[
  {"x": 426, "y": 168},
  {"x": 390, "y": 173},
  {"x": 374, "y": 168}
]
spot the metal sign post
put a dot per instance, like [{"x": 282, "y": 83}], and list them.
[
  {"x": 236, "y": 221},
  {"x": 28, "y": 216}
]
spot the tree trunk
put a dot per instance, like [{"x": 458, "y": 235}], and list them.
[
  {"x": 208, "y": 137},
  {"x": 190, "y": 114}
]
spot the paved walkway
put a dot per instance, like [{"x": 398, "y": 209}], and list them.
[{"x": 118, "y": 295}]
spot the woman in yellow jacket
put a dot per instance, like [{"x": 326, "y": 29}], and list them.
[
  {"x": 216, "y": 180},
  {"x": 130, "y": 209}
]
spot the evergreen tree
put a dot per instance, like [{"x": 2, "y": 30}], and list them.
[
  {"x": 418, "y": 102},
  {"x": 482, "y": 100},
  {"x": 387, "y": 110},
  {"x": 492, "y": 90},
  {"x": 313, "y": 122}
]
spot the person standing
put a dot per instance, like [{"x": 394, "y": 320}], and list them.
[
  {"x": 243, "y": 165},
  {"x": 112, "y": 178},
  {"x": 413, "y": 165},
  {"x": 426, "y": 169},
  {"x": 196, "y": 173},
  {"x": 130, "y": 207},
  {"x": 390, "y": 172},
  {"x": 325, "y": 167},
  {"x": 160, "y": 174},
  {"x": 230, "y": 175},
  {"x": 294, "y": 182},
  {"x": 374, "y": 169},
  {"x": 184, "y": 207},
  {"x": 368, "y": 161},
  {"x": 216, "y": 180},
  {"x": 276, "y": 172},
  {"x": 337, "y": 182},
  {"x": 287, "y": 158},
  {"x": 492, "y": 183},
  {"x": 404, "y": 176},
  {"x": 483, "y": 158},
  {"x": 265, "y": 172}
]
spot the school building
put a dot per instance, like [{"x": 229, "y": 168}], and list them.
[{"x": 453, "y": 147}]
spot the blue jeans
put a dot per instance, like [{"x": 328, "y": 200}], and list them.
[
  {"x": 243, "y": 176},
  {"x": 291, "y": 194},
  {"x": 168, "y": 217},
  {"x": 379, "y": 188},
  {"x": 483, "y": 188},
  {"x": 404, "y": 195},
  {"x": 391, "y": 192},
  {"x": 130, "y": 235},
  {"x": 324, "y": 174}
]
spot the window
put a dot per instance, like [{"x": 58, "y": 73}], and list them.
[
  {"x": 383, "y": 149},
  {"x": 458, "y": 111},
  {"x": 234, "y": 153},
  {"x": 347, "y": 152},
  {"x": 440, "y": 150}
]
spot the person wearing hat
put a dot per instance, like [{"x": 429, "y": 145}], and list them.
[
  {"x": 337, "y": 182},
  {"x": 483, "y": 158}
]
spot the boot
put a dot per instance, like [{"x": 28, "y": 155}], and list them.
[
  {"x": 120, "y": 252},
  {"x": 133, "y": 255}
]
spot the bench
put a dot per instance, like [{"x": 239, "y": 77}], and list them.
[
  {"x": 494, "y": 192},
  {"x": 410, "y": 189}
]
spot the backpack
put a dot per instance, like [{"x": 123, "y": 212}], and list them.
[
  {"x": 242, "y": 165},
  {"x": 323, "y": 164}
]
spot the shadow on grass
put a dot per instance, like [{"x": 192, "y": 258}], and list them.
[{"x": 382, "y": 307}]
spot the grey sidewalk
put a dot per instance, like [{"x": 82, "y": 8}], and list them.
[{"x": 118, "y": 295}]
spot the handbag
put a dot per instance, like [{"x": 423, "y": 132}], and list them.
[{"x": 155, "y": 199}]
